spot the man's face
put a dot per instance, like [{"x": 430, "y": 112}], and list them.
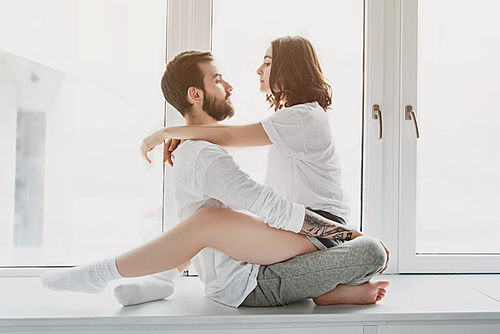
[{"x": 216, "y": 99}]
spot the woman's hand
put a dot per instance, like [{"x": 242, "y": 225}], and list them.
[
  {"x": 386, "y": 262},
  {"x": 149, "y": 143}
]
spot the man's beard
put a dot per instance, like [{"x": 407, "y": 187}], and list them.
[{"x": 217, "y": 109}]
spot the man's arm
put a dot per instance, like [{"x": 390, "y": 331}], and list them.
[
  {"x": 318, "y": 226},
  {"x": 216, "y": 175}
]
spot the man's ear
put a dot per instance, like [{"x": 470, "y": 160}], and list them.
[{"x": 194, "y": 95}]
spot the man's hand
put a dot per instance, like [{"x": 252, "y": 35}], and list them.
[
  {"x": 149, "y": 143},
  {"x": 169, "y": 146}
]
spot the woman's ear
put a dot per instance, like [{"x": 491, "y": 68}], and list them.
[{"x": 194, "y": 95}]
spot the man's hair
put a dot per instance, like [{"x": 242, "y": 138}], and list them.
[
  {"x": 181, "y": 73},
  {"x": 296, "y": 76}
]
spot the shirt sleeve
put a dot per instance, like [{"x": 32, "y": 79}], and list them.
[
  {"x": 301, "y": 132},
  {"x": 286, "y": 131},
  {"x": 219, "y": 176}
]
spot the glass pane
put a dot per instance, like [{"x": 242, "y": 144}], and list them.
[
  {"x": 243, "y": 31},
  {"x": 458, "y": 187},
  {"x": 79, "y": 89}
]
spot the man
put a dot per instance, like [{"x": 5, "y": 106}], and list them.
[{"x": 195, "y": 87}]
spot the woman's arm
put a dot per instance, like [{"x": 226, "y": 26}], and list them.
[
  {"x": 222, "y": 135},
  {"x": 321, "y": 227}
]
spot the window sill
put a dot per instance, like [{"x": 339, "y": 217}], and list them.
[{"x": 445, "y": 301}]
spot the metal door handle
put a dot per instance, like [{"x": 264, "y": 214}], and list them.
[
  {"x": 377, "y": 114},
  {"x": 409, "y": 115}
]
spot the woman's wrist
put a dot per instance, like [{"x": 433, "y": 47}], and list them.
[
  {"x": 163, "y": 134},
  {"x": 356, "y": 234}
]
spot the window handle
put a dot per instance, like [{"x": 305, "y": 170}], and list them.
[
  {"x": 377, "y": 114},
  {"x": 409, "y": 115}
]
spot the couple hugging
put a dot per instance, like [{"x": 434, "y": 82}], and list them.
[{"x": 295, "y": 244}]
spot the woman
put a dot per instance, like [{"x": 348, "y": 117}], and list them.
[{"x": 171, "y": 250}]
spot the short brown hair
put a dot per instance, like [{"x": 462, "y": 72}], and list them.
[
  {"x": 296, "y": 76},
  {"x": 181, "y": 73}
]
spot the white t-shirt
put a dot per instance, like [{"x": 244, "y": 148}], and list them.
[
  {"x": 303, "y": 166},
  {"x": 205, "y": 175}
]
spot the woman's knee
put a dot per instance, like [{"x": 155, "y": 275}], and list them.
[{"x": 373, "y": 251}]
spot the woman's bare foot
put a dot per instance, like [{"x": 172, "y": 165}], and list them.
[{"x": 367, "y": 293}]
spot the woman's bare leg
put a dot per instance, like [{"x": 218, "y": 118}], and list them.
[{"x": 234, "y": 233}]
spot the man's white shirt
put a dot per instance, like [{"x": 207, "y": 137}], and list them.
[{"x": 205, "y": 175}]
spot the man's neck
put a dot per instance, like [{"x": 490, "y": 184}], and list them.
[{"x": 199, "y": 117}]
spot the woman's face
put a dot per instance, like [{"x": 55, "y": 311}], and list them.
[{"x": 264, "y": 70}]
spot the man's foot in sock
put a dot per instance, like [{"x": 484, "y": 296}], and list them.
[
  {"x": 75, "y": 280},
  {"x": 90, "y": 278},
  {"x": 143, "y": 290},
  {"x": 367, "y": 293},
  {"x": 146, "y": 289}
]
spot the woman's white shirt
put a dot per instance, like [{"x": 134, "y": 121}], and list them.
[{"x": 303, "y": 165}]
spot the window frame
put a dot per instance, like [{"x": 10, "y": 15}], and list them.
[
  {"x": 389, "y": 164},
  {"x": 189, "y": 27},
  {"x": 380, "y": 156},
  {"x": 409, "y": 260},
  {"x": 36, "y": 270}
]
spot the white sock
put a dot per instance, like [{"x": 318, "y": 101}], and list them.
[
  {"x": 146, "y": 289},
  {"x": 90, "y": 278}
]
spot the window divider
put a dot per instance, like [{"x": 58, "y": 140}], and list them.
[
  {"x": 381, "y": 157},
  {"x": 189, "y": 27}
]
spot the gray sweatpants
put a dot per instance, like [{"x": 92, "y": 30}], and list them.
[{"x": 314, "y": 274}]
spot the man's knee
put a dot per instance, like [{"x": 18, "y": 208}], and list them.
[
  {"x": 204, "y": 215},
  {"x": 200, "y": 219}
]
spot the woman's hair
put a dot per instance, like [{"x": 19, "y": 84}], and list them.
[
  {"x": 296, "y": 76},
  {"x": 181, "y": 73}
]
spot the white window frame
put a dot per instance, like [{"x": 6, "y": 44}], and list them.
[
  {"x": 409, "y": 260},
  {"x": 189, "y": 27},
  {"x": 389, "y": 164},
  {"x": 380, "y": 156},
  {"x": 180, "y": 36}
]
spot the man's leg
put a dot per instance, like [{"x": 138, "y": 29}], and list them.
[
  {"x": 145, "y": 289},
  {"x": 315, "y": 274},
  {"x": 236, "y": 234}
]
